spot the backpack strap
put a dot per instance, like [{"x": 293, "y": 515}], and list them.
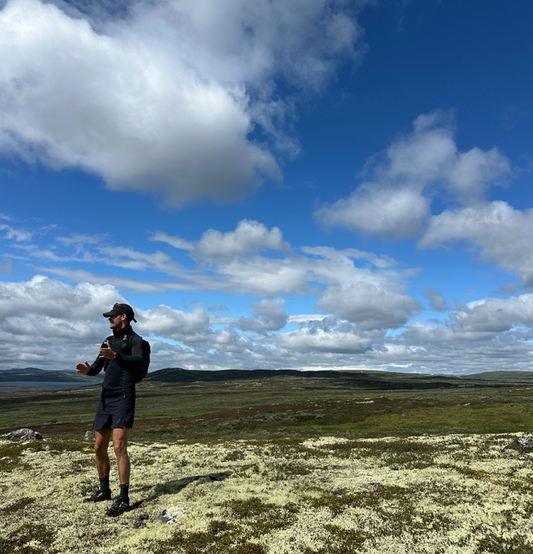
[{"x": 125, "y": 345}]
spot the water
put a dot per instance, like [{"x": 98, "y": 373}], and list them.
[{"x": 7, "y": 386}]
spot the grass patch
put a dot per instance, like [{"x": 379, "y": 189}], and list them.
[
  {"x": 220, "y": 537},
  {"x": 28, "y": 539},
  {"x": 17, "y": 506},
  {"x": 262, "y": 517}
]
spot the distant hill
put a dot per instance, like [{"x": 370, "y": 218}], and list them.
[
  {"x": 34, "y": 374},
  {"x": 359, "y": 379},
  {"x": 504, "y": 376}
]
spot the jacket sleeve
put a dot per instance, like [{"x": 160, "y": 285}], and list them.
[
  {"x": 134, "y": 362},
  {"x": 96, "y": 366}
]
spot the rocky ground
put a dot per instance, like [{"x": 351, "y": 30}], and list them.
[{"x": 454, "y": 494}]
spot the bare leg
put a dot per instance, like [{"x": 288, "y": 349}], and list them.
[
  {"x": 100, "y": 447},
  {"x": 120, "y": 444}
]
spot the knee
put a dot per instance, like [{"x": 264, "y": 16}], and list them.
[
  {"x": 121, "y": 449},
  {"x": 100, "y": 448}
]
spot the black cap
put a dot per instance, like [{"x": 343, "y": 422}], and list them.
[{"x": 121, "y": 309}]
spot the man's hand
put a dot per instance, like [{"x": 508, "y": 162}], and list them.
[
  {"x": 83, "y": 368},
  {"x": 107, "y": 353}
]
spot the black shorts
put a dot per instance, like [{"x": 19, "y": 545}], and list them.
[{"x": 115, "y": 412}]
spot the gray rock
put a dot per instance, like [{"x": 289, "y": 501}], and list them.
[
  {"x": 22, "y": 434},
  {"x": 89, "y": 435},
  {"x": 169, "y": 516},
  {"x": 525, "y": 443}
]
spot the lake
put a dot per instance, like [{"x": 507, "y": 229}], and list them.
[{"x": 7, "y": 386}]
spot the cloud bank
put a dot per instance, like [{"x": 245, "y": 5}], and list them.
[{"x": 173, "y": 98}]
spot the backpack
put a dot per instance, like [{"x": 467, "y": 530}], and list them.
[{"x": 125, "y": 349}]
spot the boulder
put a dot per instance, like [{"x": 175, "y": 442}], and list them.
[
  {"x": 525, "y": 443},
  {"x": 22, "y": 434}
]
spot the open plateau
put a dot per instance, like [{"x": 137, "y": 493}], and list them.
[{"x": 287, "y": 462}]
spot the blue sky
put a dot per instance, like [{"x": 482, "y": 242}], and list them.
[{"x": 299, "y": 184}]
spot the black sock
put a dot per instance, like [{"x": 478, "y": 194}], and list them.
[
  {"x": 104, "y": 484},
  {"x": 124, "y": 493}
]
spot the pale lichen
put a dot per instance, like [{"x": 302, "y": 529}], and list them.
[{"x": 458, "y": 494}]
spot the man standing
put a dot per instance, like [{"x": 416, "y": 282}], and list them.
[{"x": 121, "y": 357}]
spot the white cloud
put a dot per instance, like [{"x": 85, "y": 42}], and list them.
[
  {"x": 174, "y": 324},
  {"x": 369, "y": 305},
  {"x": 346, "y": 254},
  {"x": 269, "y": 315},
  {"x": 397, "y": 200},
  {"x": 319, "y": 340},
  {"x": 164, "y": 99},
  {"x": 469, "y": 177},
  {"x": 248, "y": 238},
  {"x": 494, "y": 315},
  {"x": 54, "y": 299},
  {"x": 49, "y": 324},
  {"x": 379, "y": 210},
  {"x": 176, "y": 242},
  {"x": 17, "y": 235},
  {"x": 502, "y": 234},
  {"x": 77, "y": 239}
]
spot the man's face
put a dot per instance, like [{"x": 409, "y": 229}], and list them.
[{"x": 117, "y": 322}]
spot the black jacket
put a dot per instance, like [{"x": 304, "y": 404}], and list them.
[{"x": 120, "y": 372}]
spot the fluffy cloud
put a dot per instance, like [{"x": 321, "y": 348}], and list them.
[
  {"x": 174, "y": 324},
  {"x": 337, "y": 341},
  {"x": 494, "y": 315},
  {"x": 49, "y": 324},
  {"x": 269, "y": 315},
  {"x": 502, "y": 234},
  {"x": 380, "y": 210},
  {"x": 397, "y": 200},
  {"x": 248, "y": 238},
  {"x": 162, "y": 100},
  {"x": 369, "y": 305},
  {"x": 54, "y": 299}
]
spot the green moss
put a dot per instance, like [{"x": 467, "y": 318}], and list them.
[
  {"x": 219, "y": 538},
  {"x": 17, "y": 542},
  {"x": 262, "y": 517},
  {"x": 10, "y": 453},
  {"x": 18, "y": 505},
  {"x": 494, "y": 544},
  {"x": 340, "y": 541}
]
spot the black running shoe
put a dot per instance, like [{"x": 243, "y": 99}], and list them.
[
  {"x": 119, "y": 507},
  {"x": 98, "y": 496}
]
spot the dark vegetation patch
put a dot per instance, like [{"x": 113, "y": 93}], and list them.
[
  {"x": 262, "y": 517},
  {"x": 17, "y": 506},
  {"x": 493, "y": 543},
  {"x": 10, "y": 453},
  {"x": 394, "y": 506},
  {"x": 219, "y": 538},
  {"x": 341, "y": 541},
  {"x": 17, "y": 542},
  {"x": 413, "y": 454}
]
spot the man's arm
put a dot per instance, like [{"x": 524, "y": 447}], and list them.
[{"x": 93, "y": 369}]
